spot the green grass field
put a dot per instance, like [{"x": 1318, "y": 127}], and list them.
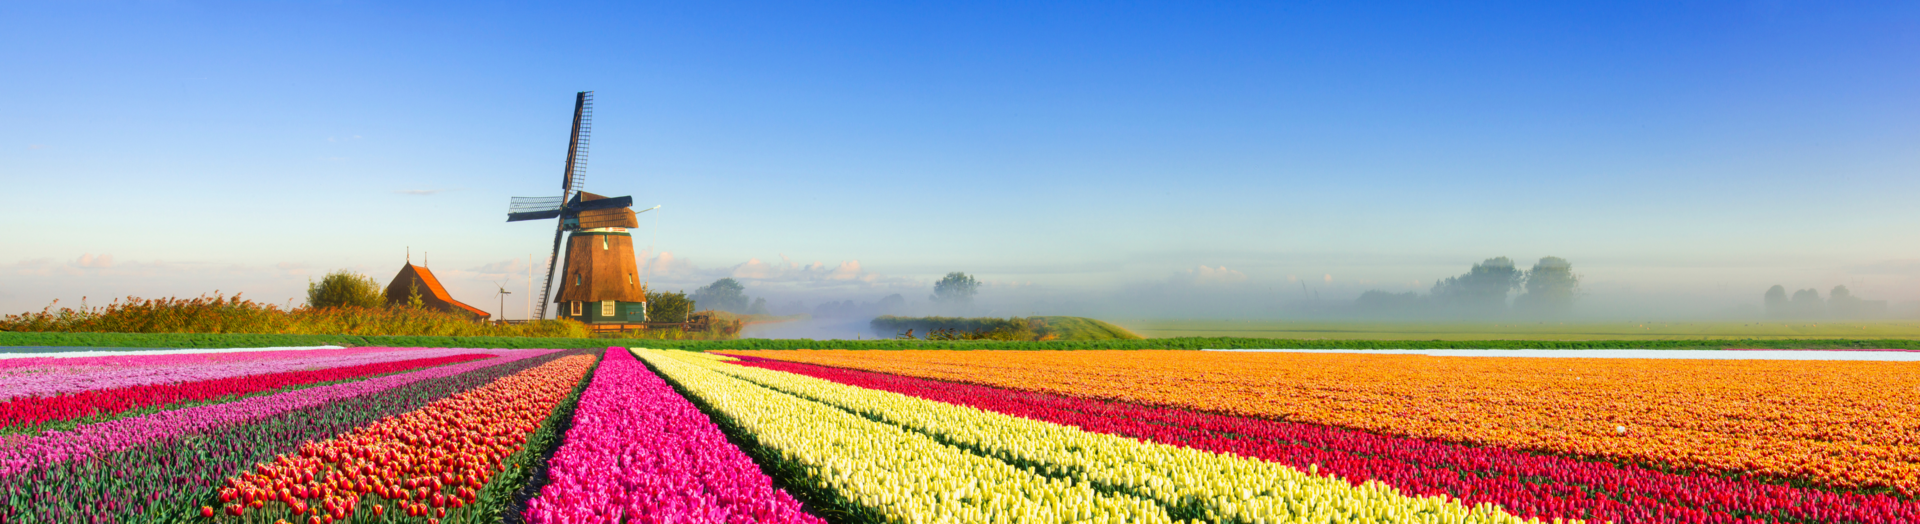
[{"x": 1883, "y": 329}]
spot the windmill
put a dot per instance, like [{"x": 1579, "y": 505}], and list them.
[{"x": 606, "y": 276}]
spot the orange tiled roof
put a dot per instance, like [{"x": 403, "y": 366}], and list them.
[{"x": 433, "y": 287}]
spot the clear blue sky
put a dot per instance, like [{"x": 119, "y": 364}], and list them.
[{"x": 1085, "y": 148}]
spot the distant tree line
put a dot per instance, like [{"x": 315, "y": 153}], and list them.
[
  {"x": 1806, "y": 303},
  {"x": 1549, "y": 289}
]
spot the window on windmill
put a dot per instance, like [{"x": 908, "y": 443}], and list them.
[
  {"x": 576, "y": 308},
  {"x": 606, "y": 308},
  {"x": 576, "y": 279},
  {"x": 603, "y": 242}
]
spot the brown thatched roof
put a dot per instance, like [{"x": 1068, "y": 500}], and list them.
[{"x": 599, "y": 218}]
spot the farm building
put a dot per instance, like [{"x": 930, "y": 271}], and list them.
[{"x": 418, "y": 279}]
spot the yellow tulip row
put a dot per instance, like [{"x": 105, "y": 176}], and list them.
[
  {"x": 1217, "y": 487},
  {"x": 900, "y": 475}
]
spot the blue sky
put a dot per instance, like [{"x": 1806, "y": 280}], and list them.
[{"x": 1066, "y": 152}]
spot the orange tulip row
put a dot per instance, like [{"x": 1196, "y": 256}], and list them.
[
  {"x": 1853, "y": 425},
  {"x": 427, "y": 463}
]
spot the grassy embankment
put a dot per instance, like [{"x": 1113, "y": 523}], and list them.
[{"x": 1531, "y": 331}]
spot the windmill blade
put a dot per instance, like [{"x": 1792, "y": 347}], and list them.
[
  {"x": 536, "y": 215},
  {"x": 533, "y": 208},
  {"x": 575, "y": 178},
  {"x": 553, "y": 262}
]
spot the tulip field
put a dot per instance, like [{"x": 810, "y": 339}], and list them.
[{"x": 441, "y": 435}]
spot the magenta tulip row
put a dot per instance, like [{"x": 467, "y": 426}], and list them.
[
  {"x": 53, "y": 376},
  {"x": 639, "y": 452},
  {"x": 1531, "y": 485},
  {"x": 55, "y": 446}
]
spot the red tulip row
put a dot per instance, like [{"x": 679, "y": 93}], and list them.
[
  {"x": 1542, "y": 486},
  {"x": 31, "y": 411}
]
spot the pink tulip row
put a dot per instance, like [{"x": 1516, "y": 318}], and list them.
[
  {"x": 87, "y": 440},
  {"x": 1543, "y": 486},
  {"x": 53, "y": 376},
  {"x": 639, "y": 452}
]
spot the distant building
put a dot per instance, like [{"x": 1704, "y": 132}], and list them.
[{"x": 432, "y": 295}]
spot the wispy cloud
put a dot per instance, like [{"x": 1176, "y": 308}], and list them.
[{"x": 36, "y": 146}]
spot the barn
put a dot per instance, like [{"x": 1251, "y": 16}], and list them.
[{"x": 419, "y": 279}]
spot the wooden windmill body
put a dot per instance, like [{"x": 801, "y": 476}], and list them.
[{"x": 600, "y": 281}]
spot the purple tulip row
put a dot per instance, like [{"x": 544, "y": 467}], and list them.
[
  {"x": 639, "y": 452},
  {"x": 52, "y": 376},
  {"x": 121, "y": 434}
]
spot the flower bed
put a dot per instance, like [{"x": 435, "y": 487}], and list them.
[
  {"x": 881, "y": 472},
  {"x": 1840, "y": 425},
  {"x": 1530, "y": 485},
  {"x": 428, "y": 463},
  {"x": 638, "y": 450},
  {"x": 159, "y": 470},
  {"x": 1185, "y": 483},
  {"x": 46, "y": 376},
  {"x": 32, "y": 411}
]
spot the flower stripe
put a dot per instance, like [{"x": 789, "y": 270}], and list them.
[
  {"x": 430, "y": 462},
  {"x": 1198, "y": 484},
  {"x": 638, "y": 450},
  {"x": 1844, "y": 425},
  {"x": 882, "y": 472},
  {"x": 1531, "y": 485},
  {"x": 29, "y": 411}
]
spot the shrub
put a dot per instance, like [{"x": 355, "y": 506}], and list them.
[{"x": 343, "y": 288}]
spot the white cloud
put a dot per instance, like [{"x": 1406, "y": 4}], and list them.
[{"x": 88, "y": 260}]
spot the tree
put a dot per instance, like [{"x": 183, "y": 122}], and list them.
[
  {"x": 725, "y": 294},
  {"x": 1807, "y": 303},
  {"x": 343, "y": 288},
  {"x": 759, "y": 307},
  {"x": 414, "y": 299},
  {"x": 668, "y": 307},
  {"x": 955, "y": 289},
  {"x": 892, "y": 304},
  {"x": 1776, "y": 300},
  {"x": 1551, "y": 287},
  {"x": 1382, "y": 303},
  {"x": 1482, "y": 291}
]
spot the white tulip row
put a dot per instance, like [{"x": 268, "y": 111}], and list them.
[
  {"x": 903, "y": 475},
  {"x": 1224, "y": 487}
]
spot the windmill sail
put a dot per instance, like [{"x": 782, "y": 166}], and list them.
[
  {"x": 533, "y": 208},
  {"x": 574, "y": 179}
]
